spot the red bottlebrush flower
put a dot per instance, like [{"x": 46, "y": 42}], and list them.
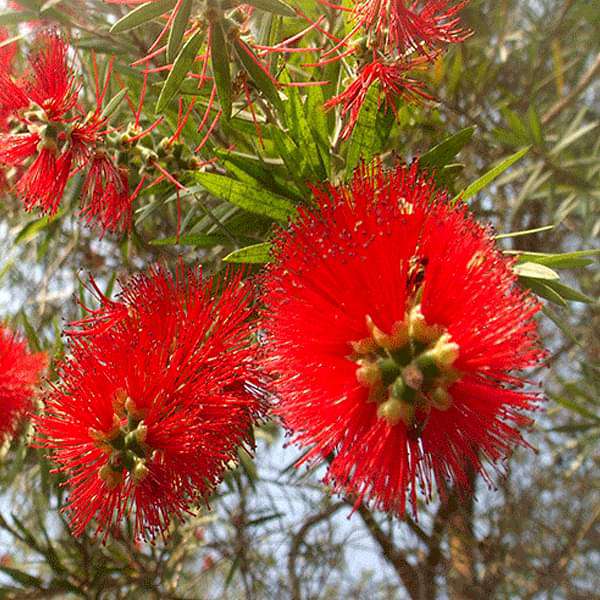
[
  {"x": 395, "y": 331},
  {"x": 44, "y": 181},
  {"x": 153, "y": 401},
  {"x": 405, "y": 25},
  {"x": 51, "y": 84},
  {"x": 19, "y": 373},
  {"x": 15, "y": 149},
  {"x": 394, "y": 81},
  {"x": 105, "y": 195}
]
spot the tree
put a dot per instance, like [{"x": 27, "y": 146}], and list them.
[{"x": 206, "y": 120}]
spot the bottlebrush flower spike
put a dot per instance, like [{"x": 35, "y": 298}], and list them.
[
  {"x": 395, "y": 333},
  {"x": 153, "y": 401},
  {"x": 105, "y": 195},
  {"x": 417, "y": 25},
  {"x": 395, "y": 83},
  {"x": 39, "y": 103},
  {"x": 51, "y": 84},
  {"x": 20, "y": 370}
]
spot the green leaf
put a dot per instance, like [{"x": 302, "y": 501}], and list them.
[
  {"x": 113, "y": 103},
  {"x": 178, "y": 27},
  {"x": 317, "y": 119},
  {"x": 301, "y": 135},
  {"x": 26, "y": 580},
  {"x": 370, "y": 133},
  {"x": 256, "y": 254},
  {"x": 567, "y": 260},
  {"x": 502, "y": 236},
  {"x": 219, "y": 54},
  {"x": 446, "y": 150},
  {"x": 201, "y": 240},
  {"x": 256, "y": 71},
  {"x": 575, "y": 407},
  {"x": 252, "y": 198},
  {"x": 32, "y": 336},
  {"x": 535, "y": 126},
  {"x": 492, "y": 174},
  {"x": 535, "y": 271},
  {"x": 180, "y": 68},
  {"x": 542, "y": 289},
  {"x": 33, "y": 228},
  {"x": 568, "y": 293},
  {"x": 142, "y": 14},
  {"x": 276, "y": 7},
  {"x": 13, "y": 17}
]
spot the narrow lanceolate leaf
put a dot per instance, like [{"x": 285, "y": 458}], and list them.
[
  {"x": 370, "y": 133},
  {"x": 543, "y": 290},
  {"x": 219, "y": 55},
  {"x": 492, "y": 174},
  {"x": 249, "y": 197},
  {"x": 114, "y": 103},
  {"x": 256, "y": 254},
  {"x": 566, "y": 260},
  {"x": 445, "y": 151},
  {"x": 178, "y": 28},
  {"x": 202, "y": 240},
  {"x": 535, "y": 271},
  {"x": 512, "y": 234},
  {"x": 142, "y": 14},
  {"x": 276, "y": 7},
  {"x": 180, "y": 68},
  {"x": 11, "y": 17},
  {"x": 257, "y": 73}
]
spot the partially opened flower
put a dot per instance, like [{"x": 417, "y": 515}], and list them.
[
  {"x": 40, "y": 102},
  {"x": 396, "y": 335},
  {"x": 153, "y": 400},
  {"x": 395, "y": 81},
  {"x": 412, "y": 25},
  {"x": 20, "y": 370}
]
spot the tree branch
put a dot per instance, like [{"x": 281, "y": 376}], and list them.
[{"x": 565, "y": 102}]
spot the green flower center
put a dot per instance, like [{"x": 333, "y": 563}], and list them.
[
  {"x": 125, "y": 443},
  {"x": 408, "y": 369}
]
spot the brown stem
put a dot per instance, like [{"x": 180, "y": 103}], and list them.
[
  {"x": 408, "y": 574},
  {"x": 298, "y": 539}
]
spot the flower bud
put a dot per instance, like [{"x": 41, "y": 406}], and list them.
[
  {"x": 445, "y": 352},
  {"x": 418, "y": 328},
  {"x": 111, "y": 477},
  {"x": 368, "y": 373},
  {"x": 440, "y": 398},
  {"x": 394, "y": 411},
  {"x": 413, "y": 376}
]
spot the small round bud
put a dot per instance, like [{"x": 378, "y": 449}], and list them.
[
  {"x": 413, "y": 376},
  {"x": 111, "y": 477},
  {"x": 418, "y": 328},
  {"x": 140, "y": 471},
  {"x": 394, "y": 411},
  {"x": 368, "y": 374},
  {"x": 440, "y": 398},
  {"x": 445, "y": 352}
]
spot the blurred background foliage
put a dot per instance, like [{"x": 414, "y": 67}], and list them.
[{"x": 527, "y": 78}]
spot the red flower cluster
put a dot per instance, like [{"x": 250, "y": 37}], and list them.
[
  {"x": 412, "y": 25},
  {"x": 154, "y": 400},
  {"x": 395, "y": 38},
  {"x": 19, "y": 373},
  {"x": 395, "y": 334},
  {"x": 395, "y": 82},
  {"x": 51, "y": 138}
]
